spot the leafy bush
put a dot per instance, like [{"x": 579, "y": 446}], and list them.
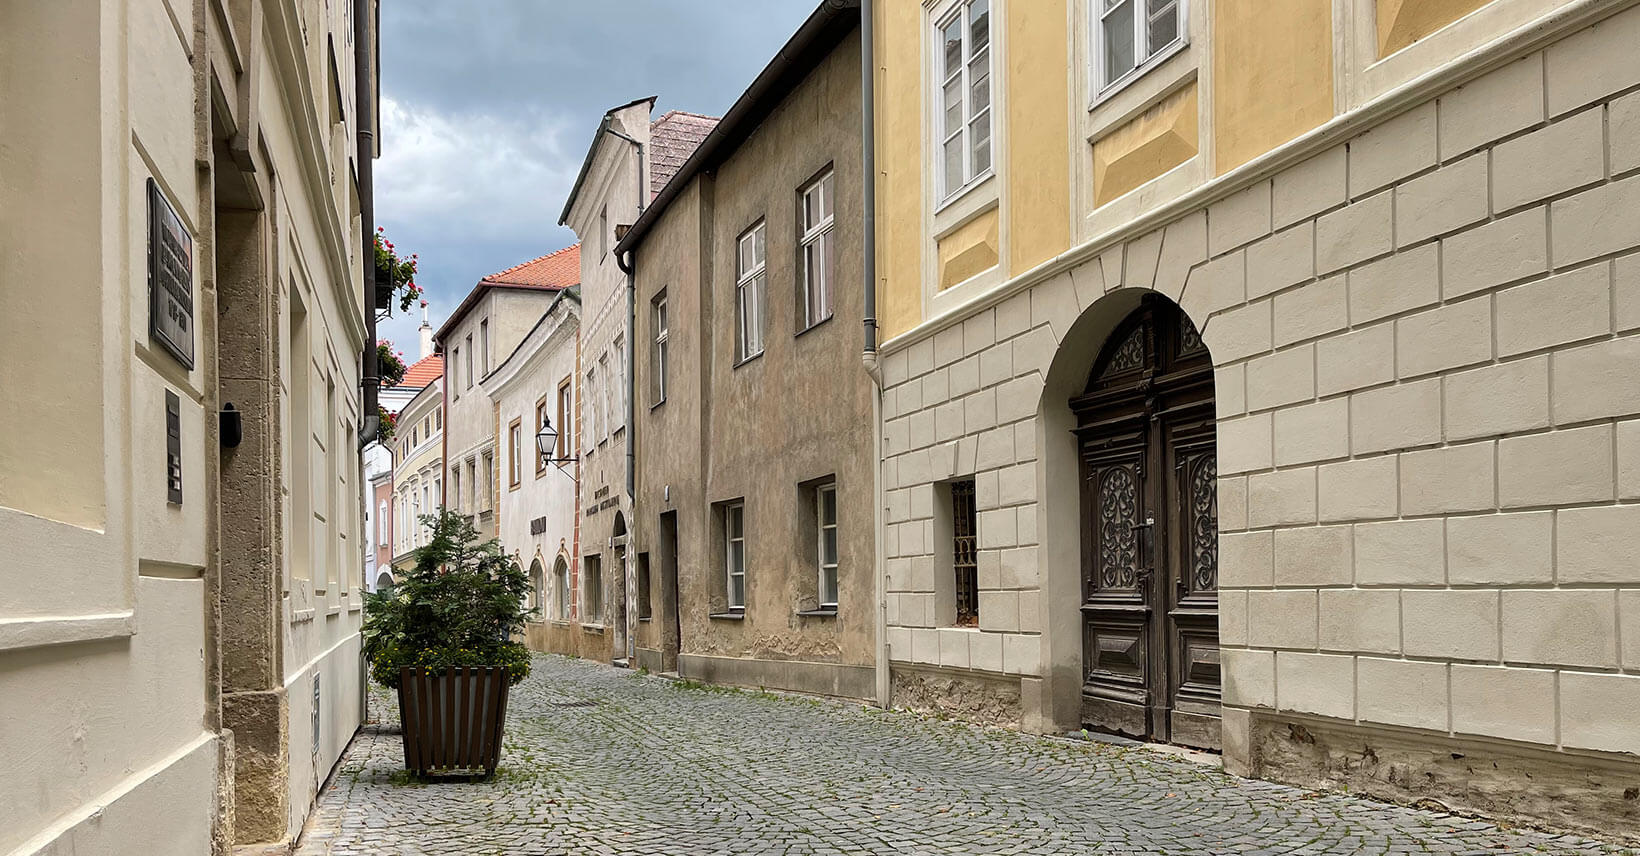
[{"x": 461, "y": 605}]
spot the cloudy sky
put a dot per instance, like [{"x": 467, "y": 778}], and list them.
[{"x": 488, "y": 107}]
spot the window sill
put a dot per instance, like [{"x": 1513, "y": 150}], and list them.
[
  {"x": 1112, "y": 89},
  {"x": 973, "y": 184},
  {"x": 656, "y": 404},
  {"x": 823, "y": 612},
  {"x": 593, "y": 628},
  {"x": 822, "y": 321},
  {"x": 731, "y": 615},
  {"x": 746, "y": 360},
  {"x": 645, "y": 619}
]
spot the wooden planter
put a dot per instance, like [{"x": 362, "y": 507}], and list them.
[{"x": 452, "y": 719}]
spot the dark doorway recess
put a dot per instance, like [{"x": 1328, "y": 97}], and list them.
[{"x": 1149, "y": 505}]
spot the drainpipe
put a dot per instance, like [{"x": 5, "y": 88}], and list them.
[
  {"x": 364, "y": 115},
  {"x": 625, "y": 263},
  {"x": 868, "y": 356}
]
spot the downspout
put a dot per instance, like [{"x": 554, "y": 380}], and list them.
[
  {"x": 627, "y": 267},
  {"x": 364, "y": 114},
  {"x": 868, "y": 356}
]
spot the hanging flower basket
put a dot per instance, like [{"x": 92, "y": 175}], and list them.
[{"x": 395, "y": 276}]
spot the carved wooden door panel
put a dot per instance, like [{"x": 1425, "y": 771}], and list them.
[{"x": 1150, "y": 533}]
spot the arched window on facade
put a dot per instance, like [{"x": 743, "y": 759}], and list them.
[{"x": 560, "y": 588}]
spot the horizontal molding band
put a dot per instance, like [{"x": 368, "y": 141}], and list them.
[{"x": 17, "y": 633}]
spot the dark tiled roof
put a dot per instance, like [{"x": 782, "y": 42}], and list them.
[{"x": 672, "y": 139}]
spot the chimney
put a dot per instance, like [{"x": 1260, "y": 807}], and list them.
[{"x": 426, "y": 331}]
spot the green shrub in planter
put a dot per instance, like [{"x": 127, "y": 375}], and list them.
[{"x": 461, "y": 605}]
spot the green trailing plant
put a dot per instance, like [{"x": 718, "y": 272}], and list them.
[
  {"x": 395, "y": 273},
  {"x": 462, "y": 604},
  {"x": 389, "y": 363}
]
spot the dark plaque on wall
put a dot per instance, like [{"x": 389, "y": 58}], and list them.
[{"x": 170, "y": 279}]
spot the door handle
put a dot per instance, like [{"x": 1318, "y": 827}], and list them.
[{"x": 1147, "y": 551}]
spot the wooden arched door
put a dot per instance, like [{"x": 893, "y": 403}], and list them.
[{"x": 1145, "y": 429}]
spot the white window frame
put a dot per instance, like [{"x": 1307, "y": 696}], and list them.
[
  {"x": 960, "y": 12},
  {"x": 827, "y": 570},
  {"x": 816, "y": 238},
  {"x": 734, "y": 520},
  {"x": 605, "y": 413},
  {"x": 617, "y": 417},
  {"x": 1145, "y": 57},
  {"x": 750, "y": 282},
  {"x": 657, "y": 357}
]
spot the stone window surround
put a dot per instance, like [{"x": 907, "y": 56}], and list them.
[{"x": 1102, "y": 89}]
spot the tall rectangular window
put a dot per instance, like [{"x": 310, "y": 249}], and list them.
[
  {"x": 454, "y": 371},
  {"x": 560, "y": 588},
  {"x": 484, "y": 347},
  {"x": 515, "y": 469},
  {"x": 617, "y": 416},
  {"x": 592, "y": 591},
  {"x": 646, "y": 608},
  {"x": 815, "y": 272},
  {"x": 749, "y": 277},
  {"x": 540, "y": 420},
  {"x": 469, "y": 361},
  {"x": 603, "y": 233},
  {"x": 486, "y": 480},
  {"x": 606, "y": 407},
  {"x": 590, "y": 401},
  {"x": 825, "y": 510},
  {"x": 566, "y": 412},
  {"x": 964, "y": 73},
  {"x": 455, "y": 487},
  {"x": 657, "y": 355},
  {"x": 734, "y": 558},
  {"x": 964, "y": 551},
  {"x": 1129, "y": 34}
]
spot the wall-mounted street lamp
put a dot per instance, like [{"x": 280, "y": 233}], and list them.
[{"x": 546, "y": 445}]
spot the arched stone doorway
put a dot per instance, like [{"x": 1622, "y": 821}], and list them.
[{"x": 1146, "y": 443}]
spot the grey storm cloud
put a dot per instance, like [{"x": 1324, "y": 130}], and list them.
[{"x": 488, "y": 107}]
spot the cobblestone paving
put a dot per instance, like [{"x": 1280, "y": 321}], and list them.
[{"x": 604, "y": 761}]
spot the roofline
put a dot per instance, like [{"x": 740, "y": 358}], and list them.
[
  {"x": 472, "y": 297},
  {"x": 802, "y": 53},
  {"x": 592, "y": 153},
  {"x": 567, "y": 294}
]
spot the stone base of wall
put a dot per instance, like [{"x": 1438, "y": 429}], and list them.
[
  {"x": 827, "y": 679},
  {"x": 650, "y": 659},
  {"x": 979, "y": 697},
  {"x": 1591, "y": 793},
  {"x": 571, "y": 640}
]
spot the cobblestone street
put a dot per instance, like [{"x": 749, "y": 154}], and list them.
[{"x": 603, "y": 761}]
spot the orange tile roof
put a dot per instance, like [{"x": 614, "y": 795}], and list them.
[
  {"x": 423, "y": 372},
  {"x": 560, "y": 269},
  {"x": 672, "y": 139}
]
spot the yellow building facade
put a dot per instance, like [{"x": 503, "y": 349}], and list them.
[{"x": 1254, "y": 379}]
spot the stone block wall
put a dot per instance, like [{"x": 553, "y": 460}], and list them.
[{"x": 1427, "y": 351}]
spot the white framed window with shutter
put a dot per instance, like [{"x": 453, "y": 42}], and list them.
[
  {"x": 825, "y": 512},
  {"x": 734, "y": 558},
  {"x": 963, "y": 77},
  {"x": 1132, "y": 36}
]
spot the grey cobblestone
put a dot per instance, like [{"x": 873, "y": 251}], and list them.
[{"x": 654, "y": 766}]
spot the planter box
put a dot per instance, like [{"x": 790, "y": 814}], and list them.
[{"x": 452, "y": 719}]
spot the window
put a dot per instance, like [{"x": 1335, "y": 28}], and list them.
[
  {"x": 734, "y": 558},
  {"x": 560, "y": 588},
  {"x": 825, "y": 509},
  {"x": 484, "y": 347},
  {"x": 514, "y": 468},
  {"x": 592, "y": 591},
  {"x": 617, "y": 416},
  {"x": 538, "y": 588},
  {"x": 566, "y": 408},
  {"x": 438, "y": 491},
  {"x": 1130, "y": 34},
  {"x": 381, "y": 523},
  {"x": 645, "y": 609},
  {"x": 606, "y": 408},
  {"x": 472, "y": 485},
  {"x": 749, "y": 257},
  {"x": 469, "y": 361},
  {"x": 603, "y": 233},
  {"x": 455, "y": 369},
  {"x": 592, "y": 391},
  {"x": 455, "y": 487},
  {"x": 965, "y": 95},
  {"x": 964, "y": 555},
  {"x": 815, "y": 265},
  {"x": 657, "y": 356},
  {"x": 488, "y": 481},
  {"x": 540, "y": 419},
  {"x": 438, "y": 418}
]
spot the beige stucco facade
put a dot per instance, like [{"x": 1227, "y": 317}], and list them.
[
  {"x": 1420, "y": 305},
  {"x": 418, "y": 471},
  {"x": 774, "y": 432},
  {"x": 163, "y": 650}
]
